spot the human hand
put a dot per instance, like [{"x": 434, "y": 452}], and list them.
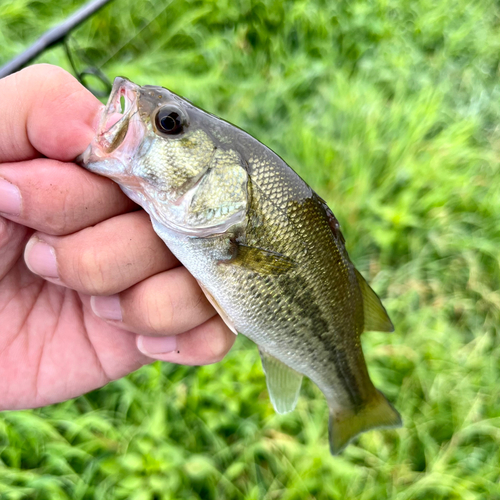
[{"x": 89, "y": 254}]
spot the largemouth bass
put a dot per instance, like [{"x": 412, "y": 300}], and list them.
[{"x": 264, "y": 247}]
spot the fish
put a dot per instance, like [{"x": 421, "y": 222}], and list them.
[{"x": 266, "y": 250}]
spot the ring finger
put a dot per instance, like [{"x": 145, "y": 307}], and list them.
[{"x": 168, "y": 303}]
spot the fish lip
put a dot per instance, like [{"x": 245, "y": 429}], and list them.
[
  {"x": 114, "y": 121},
  {"x": 119, "y": 131},
  {"x": 122, "y": 87}
]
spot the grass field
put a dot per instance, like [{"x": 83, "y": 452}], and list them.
[{"x": 390, "y": 109}]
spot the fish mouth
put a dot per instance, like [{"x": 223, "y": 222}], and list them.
[
  {"x": 115, "y": 120},
  {"x": 120, "y": 130}
]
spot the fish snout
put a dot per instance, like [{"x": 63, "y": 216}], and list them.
[{"x": 119, "y": 134}]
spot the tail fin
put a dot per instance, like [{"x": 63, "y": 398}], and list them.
[{"x": 345, "y": 425}]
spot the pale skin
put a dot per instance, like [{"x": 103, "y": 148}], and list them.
[{"x": 88, "y": 292}]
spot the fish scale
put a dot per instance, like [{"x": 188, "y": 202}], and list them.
[{"x": 265, "y": 249}]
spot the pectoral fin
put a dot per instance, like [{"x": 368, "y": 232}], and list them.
[
  {"x": 260, "y": 260},
  {"x": 283, "y": 383},
  {"x": 375, "y": 315}
]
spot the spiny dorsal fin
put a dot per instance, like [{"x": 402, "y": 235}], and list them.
[
  {"x": 375, "y": 315},
  {"x": 332, "y": 220},
  {"x": 283, "y": 383}
]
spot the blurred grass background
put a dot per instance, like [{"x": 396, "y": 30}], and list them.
[{"x": 390, "y": 109}]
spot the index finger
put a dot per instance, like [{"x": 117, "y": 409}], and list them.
[{"x": 45, "y": 112}]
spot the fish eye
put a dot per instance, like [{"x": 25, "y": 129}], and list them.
[{"x": 170, "y": 120}]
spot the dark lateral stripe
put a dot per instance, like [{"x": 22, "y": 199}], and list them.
[{"x": 345, "y": 374}]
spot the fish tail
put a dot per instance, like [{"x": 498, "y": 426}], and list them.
[{"x": 345, "y": 425}]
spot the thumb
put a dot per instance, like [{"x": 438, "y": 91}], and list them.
[{"x": 45, "y": 112}]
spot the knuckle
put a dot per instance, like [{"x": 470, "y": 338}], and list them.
[
  {"x": 66, "y": 214},
  {"x": 43, "y": 68},
  {"x": 158, "y": 313},
  {"x": 4, "y": 232},
  {"x": 49, "y": 74},
  {"x": 218, "y": 345},
  {"x": 90, "y": 273},
  {"x": 199, "y": 301},
  {"x": 57, "y": 223}
]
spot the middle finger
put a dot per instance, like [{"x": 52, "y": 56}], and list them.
[{"x": 104, "y": 259}]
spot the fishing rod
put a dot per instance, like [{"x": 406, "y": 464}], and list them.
[
  {"x": 57, "y": 35},
  {"x": 61, "y": 34}
]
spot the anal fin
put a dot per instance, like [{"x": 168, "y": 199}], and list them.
[{"x": 283, "y": 383}]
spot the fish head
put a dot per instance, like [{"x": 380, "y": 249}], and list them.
[{"x": 175, "y": 160}]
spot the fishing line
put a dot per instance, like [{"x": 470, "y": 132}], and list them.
[
  {"x": 89, "y": 70},
  {"x": 52, "y": 37},
  {"x": 95, "y": 70},
  {"x": 137, "y": 33},
  {"x": 61, "y": 34}
]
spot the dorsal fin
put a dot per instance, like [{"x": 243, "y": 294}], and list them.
[
  {"x": 375, "y": 316},
  {"x": 332, "y": 220}
]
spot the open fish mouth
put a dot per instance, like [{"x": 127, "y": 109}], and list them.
[
  {"x": 120, "y": 129},
  {"x": 115, "y": 120}
]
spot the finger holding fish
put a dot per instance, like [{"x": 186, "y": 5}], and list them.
[
  {"x": 168, "y": 303},
  {"x": 53, "y": 346},
  {"x": 57, "y": 120},
  {"x": 173, "y": 320},
  {"x": 57, "y": 197},
  {"x": 103, "y": 259},
  {"x": 137, "y": 285},
  {"x": 205, "y": 344}
]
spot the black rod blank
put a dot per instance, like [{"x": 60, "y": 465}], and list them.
[{"x": 52, "y": 37}]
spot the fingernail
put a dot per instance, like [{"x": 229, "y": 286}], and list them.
[
  {"x": 107, "y": 307},
  {"x": 10, "y": 198},
  {"x": 156, "y": 345},
  {"x": 41, "y": 259}
]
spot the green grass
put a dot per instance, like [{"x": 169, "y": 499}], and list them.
[{"x": 391, "y": 111}]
